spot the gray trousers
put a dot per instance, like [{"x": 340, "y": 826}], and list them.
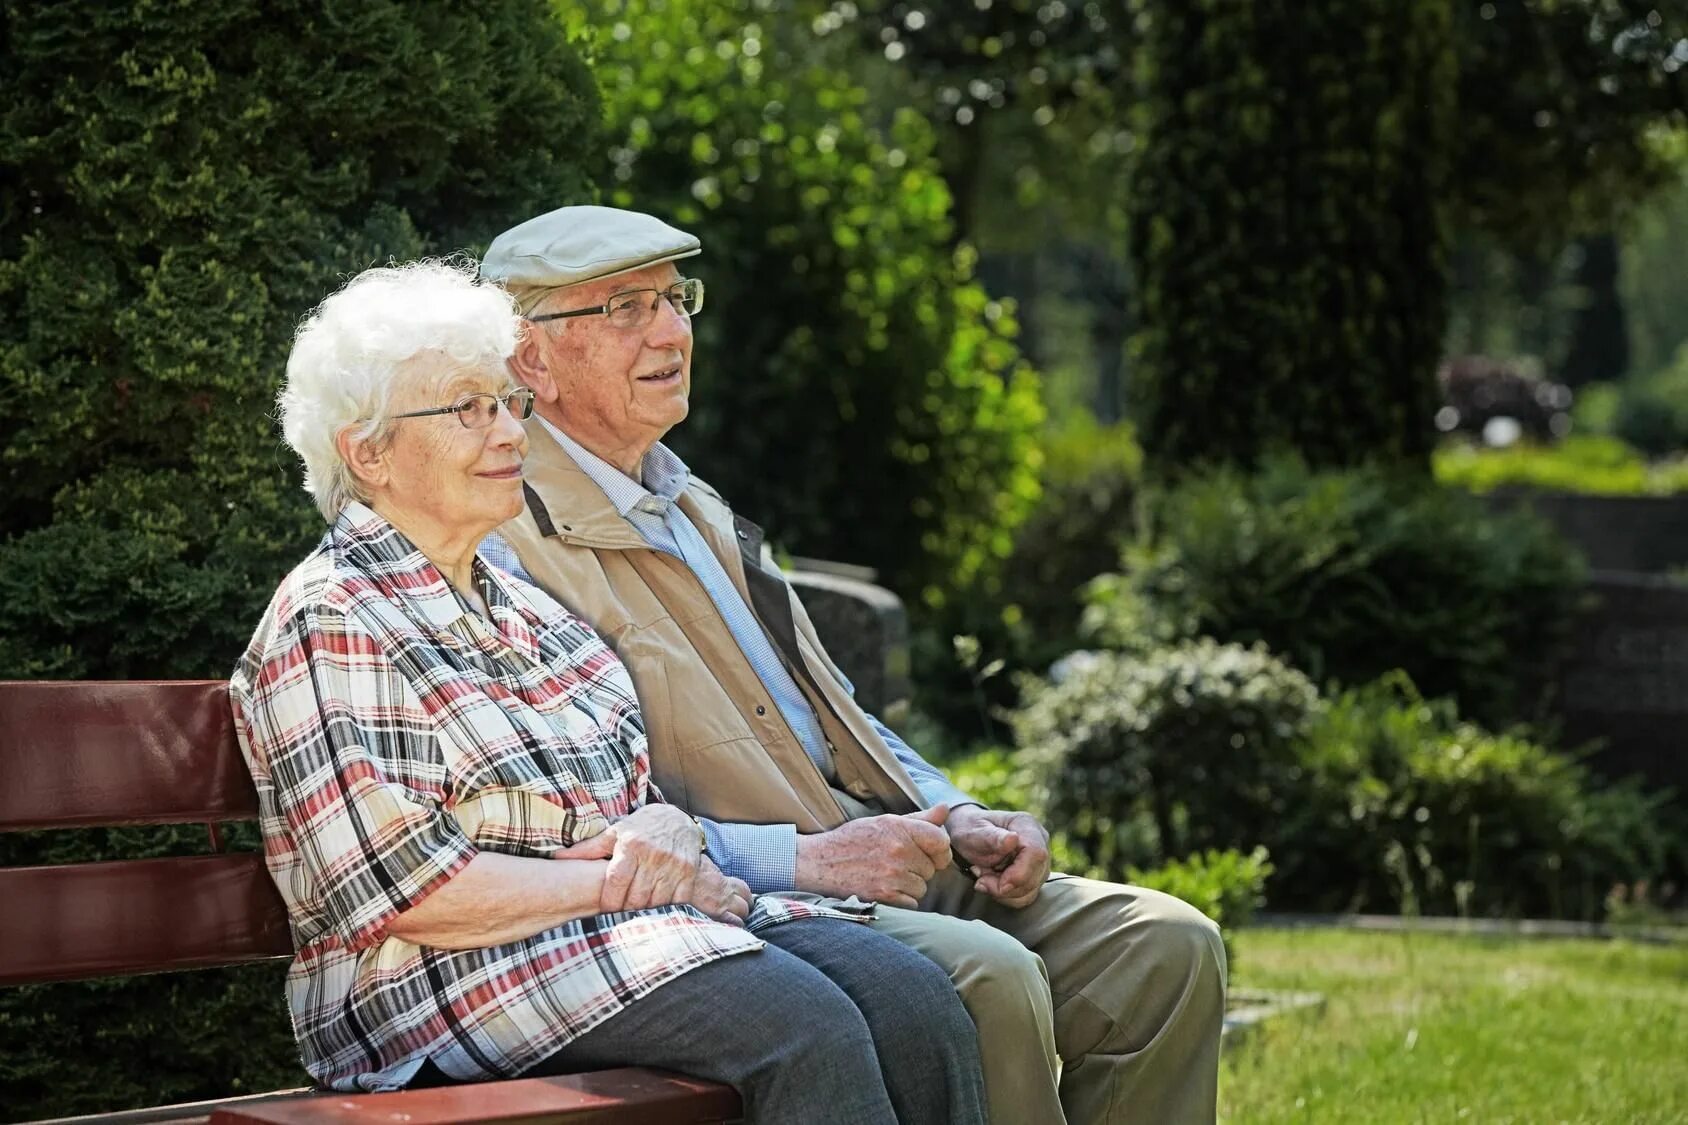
[{"x": 834, "y": 1021}]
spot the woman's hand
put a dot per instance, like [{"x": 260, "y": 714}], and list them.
[
  {"x": 655, "y": 861},
  {"x": 720, "y": 896}
]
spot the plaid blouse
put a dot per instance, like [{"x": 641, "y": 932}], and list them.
[{"x": 392, "y": 734}]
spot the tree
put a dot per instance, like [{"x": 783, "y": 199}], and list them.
[
  {"x": 1287, "y": 228},
  {"x": 856, "y": 391},
  {"x": 178, "y": 186}
]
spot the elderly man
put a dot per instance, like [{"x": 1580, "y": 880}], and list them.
[{"x": 1094, "y": 1002}]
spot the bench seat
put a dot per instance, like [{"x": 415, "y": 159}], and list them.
[{"x": 92, "y": 754}]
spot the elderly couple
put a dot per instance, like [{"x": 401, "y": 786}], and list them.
[{"x": 555, "y": 773}]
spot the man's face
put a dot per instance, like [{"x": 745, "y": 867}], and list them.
[{"x": 618, "y": 390}]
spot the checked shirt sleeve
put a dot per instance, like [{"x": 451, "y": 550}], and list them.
[{"x": 350, "y": 778}]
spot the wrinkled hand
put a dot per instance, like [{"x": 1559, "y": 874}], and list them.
[
  {"x": 1008, "y": 852},
  {"x": 886, "y": 859},
  {"x": 720, "y": 896},
  {"x": 655, "y": 861}
]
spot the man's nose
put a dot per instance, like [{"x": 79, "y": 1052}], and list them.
[{"x": 669, "y": 327}]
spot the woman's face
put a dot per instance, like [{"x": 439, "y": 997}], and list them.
[{"x": 441, "y": 479}]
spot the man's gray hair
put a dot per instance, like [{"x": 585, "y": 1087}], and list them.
[{"x": 349, "y": 352}]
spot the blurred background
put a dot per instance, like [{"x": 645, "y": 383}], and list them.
[{"x": 1273, "y": 418}]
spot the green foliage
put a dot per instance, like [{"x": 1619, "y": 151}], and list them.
[
  {"x": 1351, "y": 575},
  {"x": 1652, "y": 410},
  {"x": 1143, "y": 758},
  {"x": 1376, "y": 800},
  {"x": 1598, "y": 466},
  {"x": 179, "y": 184},
  {"x": 856, "y": 391},
  {"x": 1653, "y": 265},
  {"x": 1560, "y": 104},
  {"x": 177, "y": 187},
  {"x": 1027, "y": 615},
  {"x": 1286, "y": 228},
  {"x": 1412, "y": 809}
]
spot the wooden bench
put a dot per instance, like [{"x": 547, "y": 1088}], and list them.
[{"x": 82, "y": 755}]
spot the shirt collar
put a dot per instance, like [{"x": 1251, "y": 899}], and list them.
[
  {"x": 400, "y": 572},
  {"x": 663, "y": 477}
]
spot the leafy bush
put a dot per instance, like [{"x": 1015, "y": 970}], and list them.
[
  {"x": 1143, "y": 758},
  {"x": 1652, "y": 411},
  {"x": 1351, "y": 575},
  {"x": 179, "y": 184},
  {"x": 1025, "y": 616},
  {"x": 1287, "y": 230},
  {"x": 1423, "y": 812},
  {"x": 857, "y": 392},
  {"x": 1601, "y": 466}
]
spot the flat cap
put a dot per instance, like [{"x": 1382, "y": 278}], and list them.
[{"x": 572, "y": 245}]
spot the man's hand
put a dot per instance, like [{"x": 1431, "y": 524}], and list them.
[
  {"x": 720, "y": 896},
  {"x": 655, "y": 861},
  {"x": 886, "y": 859},
  {"x": 1008, "y": 852}
]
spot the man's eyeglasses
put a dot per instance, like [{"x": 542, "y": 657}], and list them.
[
  {"x": 634, "y": 308},
  {"x": 477, "y": 412}
]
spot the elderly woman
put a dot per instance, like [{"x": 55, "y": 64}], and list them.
[{"x": 443, "y": 754}]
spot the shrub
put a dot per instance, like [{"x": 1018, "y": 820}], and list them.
[
  {"x": 1350, "y": 575},
  {"x": 857, "y": 392},
  {"x": 1600, "y": 466},
  {"x": 1143, "y": 758},
  {"x": 1287, "y": 233},
  {"x": 1375, "y": 801},
  {"x": 1426, "y": 813},
  {"x": 1027, "y": 615}
]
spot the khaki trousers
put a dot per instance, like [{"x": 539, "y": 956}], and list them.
[{"x": 1125, "y": 987}]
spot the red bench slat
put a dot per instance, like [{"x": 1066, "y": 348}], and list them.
[
  {"x": 605, "y": 1097},
  {"x": 112, "y": 753},
  {"x": 87, "y": 920}
]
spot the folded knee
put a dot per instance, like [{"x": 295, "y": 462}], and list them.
[{"x": 998, "y": 975}]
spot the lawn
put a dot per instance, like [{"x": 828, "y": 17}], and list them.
[{"x": 1433, "y": 1028}]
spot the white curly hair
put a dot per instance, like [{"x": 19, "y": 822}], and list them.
[{"x": 350, "y": 353}]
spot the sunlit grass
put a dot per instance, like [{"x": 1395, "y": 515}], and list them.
[{"x": 1435, "y": 1028}]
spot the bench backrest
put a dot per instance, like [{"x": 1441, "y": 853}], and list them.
[{"x": 93, "y": 754}]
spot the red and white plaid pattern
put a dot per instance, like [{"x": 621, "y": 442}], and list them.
[{"x": 391, "y": 735}]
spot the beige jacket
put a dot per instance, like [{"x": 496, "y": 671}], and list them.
[{"x": 719, "y": 747}]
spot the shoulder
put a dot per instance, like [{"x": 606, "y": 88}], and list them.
[{"x": 317, "y": 595}]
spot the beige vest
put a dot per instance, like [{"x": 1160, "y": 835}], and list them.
[{"x": 719, "y": 746}]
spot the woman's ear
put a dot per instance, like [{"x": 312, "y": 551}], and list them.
[
  {"x": 527, "y": 363},
  {"x": 364, "y": 457}
]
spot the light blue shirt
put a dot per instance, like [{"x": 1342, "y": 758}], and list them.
[{"x": 763, "y": 855}]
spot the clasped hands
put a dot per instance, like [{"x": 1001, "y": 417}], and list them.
[
  {"x": 890, "y": 859},
  {"x": 655, "y": 859}
]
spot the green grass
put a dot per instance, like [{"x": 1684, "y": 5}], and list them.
[{"x": 1434, "y": 1028}]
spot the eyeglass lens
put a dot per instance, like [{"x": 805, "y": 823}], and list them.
[
  {"x": 635, "y": 307},
  {"x": 478, "y": 411}
]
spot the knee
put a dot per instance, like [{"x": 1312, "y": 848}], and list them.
[
  {"x": 1000, "y": 979},
  {"x": 927, "y": 1008},
  {"x": 1181, "y": 940}
]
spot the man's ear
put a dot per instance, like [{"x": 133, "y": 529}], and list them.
[
  {"x": 366, "y": 460},
  {"x": 527, "y": 363}
]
